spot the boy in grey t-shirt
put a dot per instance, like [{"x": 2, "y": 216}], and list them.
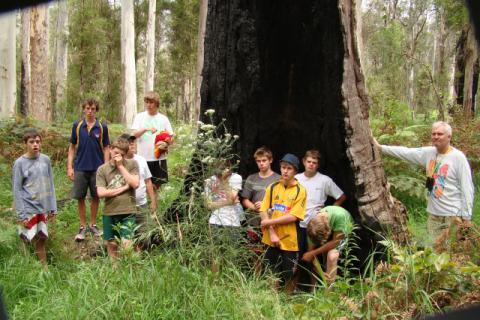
[
  {"x": 254, "y": 189},
  {"x": 34, "y": 193}
]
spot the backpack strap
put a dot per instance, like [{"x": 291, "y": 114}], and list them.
[
  {"x": 79, "y": 125},
  {"x": 77, "y": 131},
  {"x": 100, "y": 123}
]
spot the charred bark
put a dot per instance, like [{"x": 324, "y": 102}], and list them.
[
  {"x": 286, "y": 74},
  {"x": 466, "y": 71}
]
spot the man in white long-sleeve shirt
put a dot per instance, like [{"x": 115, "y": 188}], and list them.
[{"x": 449, "y": 177}]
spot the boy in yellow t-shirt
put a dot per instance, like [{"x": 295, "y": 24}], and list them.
[{"x": 283, "y": 207}]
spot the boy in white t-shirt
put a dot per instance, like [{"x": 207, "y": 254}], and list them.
[
  {"x": 318, "y": 186},
  {"x": 145, "y": 127}
]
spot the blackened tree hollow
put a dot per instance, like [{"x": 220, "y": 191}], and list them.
[{"x": 286, "y": 74}]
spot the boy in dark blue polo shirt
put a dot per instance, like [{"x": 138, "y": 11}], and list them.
[{"x": 90, "y": 139}]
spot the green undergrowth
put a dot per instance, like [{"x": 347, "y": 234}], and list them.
[
  {"x": 188, "y": 275},
  {"x": 151, "y": 287}
]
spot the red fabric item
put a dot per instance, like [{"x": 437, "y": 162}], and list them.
[
  {"x": 164, "y": 136},
  {"x": 36, "y": 219}
]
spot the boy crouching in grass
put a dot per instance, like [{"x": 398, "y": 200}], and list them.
[
  {"x": 116, "y": 182},
  {"x": 327, "y": 232},
  {"x": 34, "y": 193}
]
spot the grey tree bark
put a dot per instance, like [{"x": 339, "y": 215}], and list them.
[
  {"x": 25, "y": 85},
  {"x": 41, "y": 107},
  {"x": 470, "y": 85},
  {"x": 8, "y": 82},
  {"x": 415, "y": 25},
  {"x": 61, "y": 52},
  {"x": 202, "y": 21},
  {"x": 150, "y": 39},
  {"x": 129, "y": 84},
  {"x": 467, "y": 69}
]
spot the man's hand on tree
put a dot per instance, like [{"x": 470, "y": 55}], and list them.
[{"x": 377, "y": 145}]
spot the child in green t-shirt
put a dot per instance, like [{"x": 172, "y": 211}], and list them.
[{"x": 326, "y": 231}]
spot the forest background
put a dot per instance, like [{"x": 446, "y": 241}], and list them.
[{"x": 420, "y": 62}]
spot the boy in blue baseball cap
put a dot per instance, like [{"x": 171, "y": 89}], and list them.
[{"x": 283, "y": 207}]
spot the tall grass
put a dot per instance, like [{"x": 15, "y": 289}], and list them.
[
  {"x": 157, "y": 286},
  {"x": 175, "y": 280}
]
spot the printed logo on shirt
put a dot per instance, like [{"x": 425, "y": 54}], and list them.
[
  {"x": 280, "y": 207},
  {"x": 152, "y": 123},
  {"x": 440, "y": 175},
  {"x": 117, "y": 182}
]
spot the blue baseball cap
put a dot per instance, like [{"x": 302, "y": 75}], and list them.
[{"x": 291, "y": 159}]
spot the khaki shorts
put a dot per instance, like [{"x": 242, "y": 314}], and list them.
[{"x": 436, "y": 224}]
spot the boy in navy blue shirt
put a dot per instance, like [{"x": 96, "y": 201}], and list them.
[{"x": 90, "y": 140}]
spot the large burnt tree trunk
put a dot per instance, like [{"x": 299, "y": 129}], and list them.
[{"x": 286, "y": 74}]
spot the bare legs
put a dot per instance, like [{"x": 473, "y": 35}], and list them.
[
  {"x": 94, "y": 202},
  {"x": 332, "y": 264},
  {"x": 112, "y": 247},
  {"x": 40, "y": 250}
]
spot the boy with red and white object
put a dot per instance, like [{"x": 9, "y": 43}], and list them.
[
  {"x": 146, "y": 126},
  {"x": 34, "y": 193}
]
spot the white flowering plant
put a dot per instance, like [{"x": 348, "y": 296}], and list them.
[
  {"x": 213, "y": 149},
  {"x": 184, "y": 223},
  {"x": 214, "y": 146}
]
